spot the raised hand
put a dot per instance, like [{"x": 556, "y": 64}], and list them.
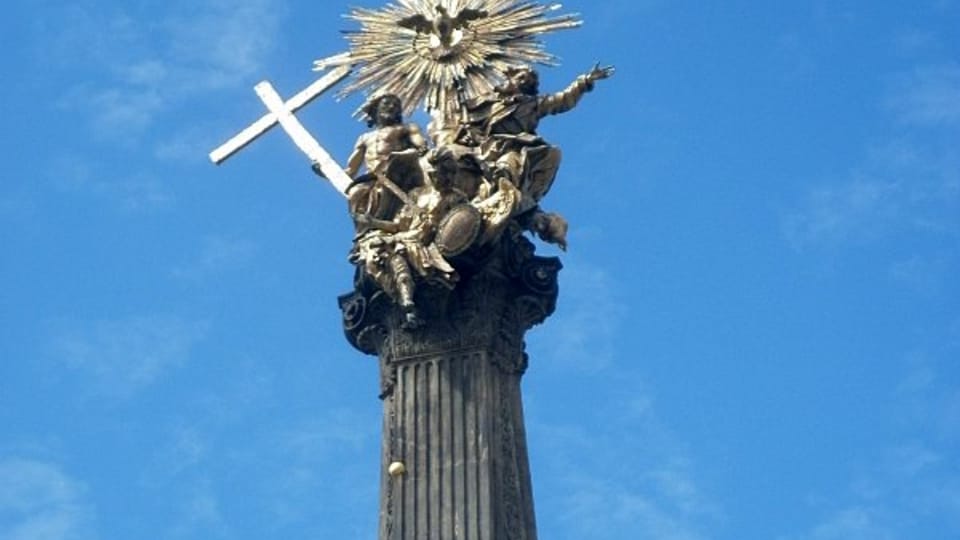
[{"x": 600, "y": 72}]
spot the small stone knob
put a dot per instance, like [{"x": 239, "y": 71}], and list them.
[{"x": 397, "y": 468}]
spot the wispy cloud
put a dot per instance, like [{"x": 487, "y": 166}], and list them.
[
  {"x": 927, "y": 275},
  {"x": 912, "y": 42},
  {"x": 854, "y": 209},
  {"x": 16, "y": 207},
  {"x": 127, "y": 72},
  {"x": 928, "y": 96},
  {"x": 336, "y": 431},
  {"x": 222, "y": 44},
  {"x": 595, "y": 509},
  {"x": 150, "y": 66},
  {"x": 317, "y": 455},
  {"x": 585, "y": 329},
  {"x": 130, "y": 192},
  {"x": 185, "y": 447},
  {"x": 292, "y": 461},
  {"x": 39, "y": 502},
  {"x": 217, "y": 254},
  {"x": 907, "y": 183},
  {"x": 200, "y": 514},
  {"x": 121, "y": 357},
  {"x": 596, "y": 482},
  {"x": 929, "y": 394},
  {"x": 602, "y": 484},
  {"x": 184, "y": 146},
  {"x": 855, "y": 523},
  {"x": 911, "y": 487},
  {"x": 903, "y": 186}
]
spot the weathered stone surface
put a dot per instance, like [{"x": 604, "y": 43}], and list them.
[{"x": 453, "y": 415}]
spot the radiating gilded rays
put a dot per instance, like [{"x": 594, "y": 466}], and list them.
[{"x": 390, "y": 58}]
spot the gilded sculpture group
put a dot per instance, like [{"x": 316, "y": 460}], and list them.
[{"x": 418, "y": 206}]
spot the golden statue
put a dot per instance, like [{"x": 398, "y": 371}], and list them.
[
  {"x": 447, "y": 281},
  {"x": 468, "y": 65}
]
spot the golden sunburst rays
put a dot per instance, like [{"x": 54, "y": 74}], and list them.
[{"x": 438, "y": 53}]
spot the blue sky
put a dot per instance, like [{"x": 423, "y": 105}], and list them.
[{"x": 758, "y": 334}]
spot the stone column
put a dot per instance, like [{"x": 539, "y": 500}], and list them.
[{"x": 453, "y": 414}]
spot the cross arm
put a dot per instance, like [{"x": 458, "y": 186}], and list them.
[
  {"x": 267, "y": 121},
  {"x": 302, "y": 138}
]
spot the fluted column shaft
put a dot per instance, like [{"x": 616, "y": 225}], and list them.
[
  {"x": 452, "y": 408},
  {"x": 455, "y": 421}
]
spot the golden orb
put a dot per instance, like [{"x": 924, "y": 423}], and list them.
[{"x": 397, "y": 468}]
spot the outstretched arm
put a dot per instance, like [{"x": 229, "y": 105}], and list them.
[{"x": 566, "y": 100}]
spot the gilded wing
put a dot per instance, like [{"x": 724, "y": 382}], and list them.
[
  {"x": 466, "y": 15},
  {"x": 417, "y": 23}
]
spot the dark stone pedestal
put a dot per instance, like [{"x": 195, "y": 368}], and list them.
[{"x": 451, "y": 395}]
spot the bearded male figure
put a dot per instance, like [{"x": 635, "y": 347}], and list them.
[{"x": 504, "y": 127}]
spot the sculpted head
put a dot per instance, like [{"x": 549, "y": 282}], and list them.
[
  {"x": 445, "y": 168},
  {"x": 523, "y": 80},
  {"x": 385, "y": 110}
]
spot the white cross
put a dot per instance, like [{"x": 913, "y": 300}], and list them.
[{"x": 282, "y": 112}]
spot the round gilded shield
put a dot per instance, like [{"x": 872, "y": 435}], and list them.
[{"x": 458, "y": 230}]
